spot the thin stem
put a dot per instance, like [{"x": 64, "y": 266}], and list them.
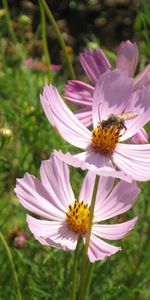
[
  {"x": 44, "y": 40},
  {"x": 60, "y": 39},
  {"x": 9, "y": 22},
  {"x": 74, "y": 274},
  {"x": 88, "y": 278},
  {"x": 12, "y": 265},
  {"x": 84, "y": 261}
]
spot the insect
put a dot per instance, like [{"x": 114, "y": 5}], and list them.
[{"x": 118, "y": 120}]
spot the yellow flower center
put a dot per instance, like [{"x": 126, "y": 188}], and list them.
[
  {"x": 78, "y": 217},
  {"x": 105, "y": 138}
]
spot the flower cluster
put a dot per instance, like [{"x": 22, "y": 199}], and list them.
[
  {"x": 109, "y": 128},
  {"x": 95, "y": 63}
]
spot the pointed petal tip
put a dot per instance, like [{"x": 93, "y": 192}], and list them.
[{"x": 127, "y": 58}]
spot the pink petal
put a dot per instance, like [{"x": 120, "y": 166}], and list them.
[
  {"x": 120, "y": 200},
  {"x": 56, "y": 235},
  {"x": 67, "y": 242},
  {"x": 98, "y": 249},
  {"x": 44, "y": 228},
  {"x": 94, "y": 63},
  {"x": 79, "y": 92},
  {"x": 30, "y": 63},
  {"x": 35, "y": 198},
  {"x": 127, "y": 57},
  {"x": 113, "y": 231},
  {"x": 84, "y": 115},
  {"x": 55, "y": 179},
  {"x": 87, "y": 188},
  {"x": 61, "y": 117},
  {"x": 55, "y": 67},
  {"x": 104, "y": 187},
  {"x": 140, "y": 104},
  {"x": 143, "y": 78},
  {"x": 110, "y": 95},
  {"x": 92, "y": 161},
  {"x": 39, "y": 65},
  {"x": 141, "y": 137},
  {"x": 133, "y": 160}
]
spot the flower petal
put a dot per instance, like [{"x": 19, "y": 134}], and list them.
[
  {"x": 93, "y": 161},
  {"x": 141, "y": 137},
  {"x": 61, "y": 117},
  {"x": 113, "y": 231},
  {"x": 55, "y": 179},
  {"x": 99, "y": 249},
  {"x": 84, "y": 115},
  {"x": 110, "y": 96},
  {"x": 43, "y": 228},
  {"x": 140, "y": 104},
  {"x": 143, "y": 78},
  {"x": 127, "y": 57},
  {"x": 104, "y": 187},
  {"x": 87, "y": 188},
  {"x": 35, "y": 198},
  {"x": 79, "y": 92},
  {"x": 55, "y": 67},
  {"x": 133, "y": 160},
  {"x": 55, "y": 234},
  {"x": 94, "y": 63},
  {"x": 120, "y": 200}
]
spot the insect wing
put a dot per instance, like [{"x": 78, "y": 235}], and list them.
[{"x": 127, "y": 115}]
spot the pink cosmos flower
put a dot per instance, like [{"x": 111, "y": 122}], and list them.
[
  {"x": 32, "y": 63},
  {"x": 19, "y": 241},
  {"x": 95, "y": 63},
  {"x": 67, "y": 217},
  {"x": 104, "y": 152}
]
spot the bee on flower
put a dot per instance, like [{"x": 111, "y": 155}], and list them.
[
  {"x": 95, "y": 63},
  {"x": 107, "y": 147}
]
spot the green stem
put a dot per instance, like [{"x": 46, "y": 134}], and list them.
[
  {"x": 74, "y": 274},
  {"x": 12, "y": 265},
  {"x": 9, "y": 22},
  {"x": 84, "y": 261},
  {"x": 60, "y": 39},
  {"x": 88, "y": 278},
  {"x": 45, "y": 46}
]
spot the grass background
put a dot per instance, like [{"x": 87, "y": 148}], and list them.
[{"x": 26, "y": 138}]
